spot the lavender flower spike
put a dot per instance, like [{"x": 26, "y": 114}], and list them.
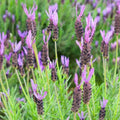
[
  {"x": 81, "y": 116},
  {"x": 31, "y": 13},
  {"x": 80, "y": 45},
  {"x": 20, "y": 61},
  {"x": 40, "y": 96},
  {"x": 103, "y": 103},
  {"x": 81, "y": 13},
  {"x": 2, "y": 37},
  {"x": 34, "y": 86},
  {"x": 16, "y": 47},
  {"x": 55, "y": 18},
  {"x": 2, "y": 49},
  {"x": 22, "y": 34},
  {"x": 7, "y": 57}
]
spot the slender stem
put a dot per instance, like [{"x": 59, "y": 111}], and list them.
[
  {"x": 47, "y": 80},
  {"x": 89, "y": 112},
  {"x": 115, "y": 62},
  {"x": 105, "y": 77},
  {"x": 28, "y": 81},
  {"x": 33, "y": 76},
  {"x": 22, "y": 86},
  {"x": 117, "y": 102},
  {"x": 58, "y": 102},
  {"x": 56, "y": 54},
  {"x": 5, "y": 78},
  {"x": 74, "y": 116}
]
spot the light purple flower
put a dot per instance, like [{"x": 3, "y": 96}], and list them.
[
  {"x": 20, "y": 61},
  {"x": 106, "y": 38},
  {"x": 2, "y": 37},
  {"x": 89, "y": 76},
  {"x": 7, "y": 57},
  {"x": 55, "y": 18},
  {"x": 65, "y": 61},
  {"x": 16, "y": 46},
  {"x": 7, "y": 73},
  {"x": 31, "y": 13},
  {"x": 2, "y": 49},
  {"x": 47, "y": 38},
  {"x": 103, "y": 103},
  {"x": 4, "y": 17},
  {"x": 81, "y": 12},
  {"x": 68, "y": 118},
  {"x": 29, "y": 41},
  {"x": 22, "y": 34},
  {"x": 25, "y": 50},
  {"x": 78, "y": 62},
  {"x": 34, "y": 86},
  {"x": 52, "y": 9},
  {"x": 52, "y": 64},
  {"x": 8, "y": 92},
  {"x": 81, "y": 116},
  {"x": 76, "y": 81},
  {"x": 40, "y": 96},
  {"x": 13, "y": 19},
  {"x": 80, "y": 45},
  {"x": 20, "y": 99}
]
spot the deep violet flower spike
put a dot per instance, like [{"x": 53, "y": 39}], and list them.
[
  {"x": 34, "y": 86},
  {"x": 22, "y": 34},
  {"x": 81, "y": 116},
  {"x": 31, "y": 13},
  {"x": 103, "y": 103}
]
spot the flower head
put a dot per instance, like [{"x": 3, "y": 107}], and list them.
[
  {"x": 2, "y": 37},
  {"x": 55, "y": 18},
  {"x": 47, "y": 38},
  {"x": 20, "y": 61},
  {"x": 81, "y": 116},
  {"x": 103, "y": 103},
  {"x": 52, "y": 64},
  {"x": 65, "y": 61},
  {"x": 16, "y": 47},
  {"x": 22, "y": 34},
  {"x": 52, "y": 9},
  {"x": 76, "y": 81},
  {"x": 106, "y": 38},
  {"x": 89, "y": 76},
  {"x": 81, "y": 12},
  {"x": 29, "y": 41},
  {"x": 7, "y": 57},
  {"x": 40, "y": 96},
  {"x": 34, "y": 86},
  {"x": 31, "y": 13}
]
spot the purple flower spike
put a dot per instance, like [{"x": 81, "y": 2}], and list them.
[
  {"x": 55, "y": 18},
  {"x": 62, "y": 60},
  {"x": 81, "y": 116},
  {"x": 76, "y": 81},
  {"x": 2, "y": 37},
  {"x": 13, "y": 19},
  {"x": 52, "y": 64},
  {"x": 22, "y": 35},
  {"x": 89, "y": 76},
  {"x": 80, "y": 45},
  {"x": 47, "y": 38},
  {"x": 108, "y": 36},
  {"x": 20, "y": 61},
  {"x": 52, "y": 9},
  {"x": 7, "y": 57},
  {"x": 31, "y": 13},
  {"x": 65, "y": 61},
  {"x": 34, "y": 86},
  {"x": 81, "y": 13},
  {"x": 40, "y": 97},
  {"x": 16, "y": 47},
  {"x": 118, "y": 11},
  {"x": 29, "y": 41},
  {"x": 2, "y": 49},
  {"x": 103, "y": 103}
]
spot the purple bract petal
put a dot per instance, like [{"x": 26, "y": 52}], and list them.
[
  {"x": 76, "y": 79},
  {"x": 34, "y": 86},
  {"x": 103, "y": 103}
]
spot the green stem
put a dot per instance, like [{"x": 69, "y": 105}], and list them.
[
  {"x": 28, "y": 81},
  {"x": 89, "y": 112},
  {"x": 105, "y": 77},
  {"x": 5, "y": 78},
  {"x": 33, "y": 76},
  {"x": 47, "y": 80},
  {"x": 115, "y": 62},
  {"x": 56, "y": 54},
  {"x": 58, "y": 102},
  {"x": 22, "y": 86},
  {"x": 74, "y": 116}
]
